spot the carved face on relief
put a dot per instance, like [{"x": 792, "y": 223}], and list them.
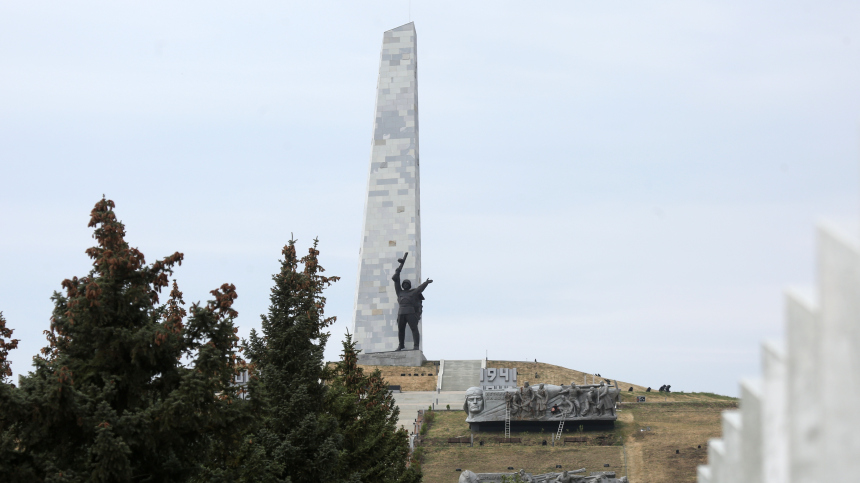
[
  {"x": 474, "y": 401},
  {"x": 468, "y": 477}
]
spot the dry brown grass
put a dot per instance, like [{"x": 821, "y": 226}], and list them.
[
  {"x": 650, "y": 455},
  {"x": 674, "y": 426},
  {"x": 441, "y": 463},
  {"x": 441, "y": 459},
  {"x": 550, "y": 374},
  {"x": 660, "y": 397}
]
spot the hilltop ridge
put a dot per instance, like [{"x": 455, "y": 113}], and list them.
[{"x": 427, "y": 375}]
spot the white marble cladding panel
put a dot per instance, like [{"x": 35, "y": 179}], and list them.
[{"x": 392, "y": 222}]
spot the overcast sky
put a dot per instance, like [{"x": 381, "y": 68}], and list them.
[{"x": 616, "y": 187}]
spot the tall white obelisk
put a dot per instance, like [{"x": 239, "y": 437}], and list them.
[{"x": 392, "y": 211}]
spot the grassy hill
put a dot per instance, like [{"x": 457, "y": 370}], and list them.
[
  {"x": 642, "y": 446},
  {"x": 550, "y": 374},
  {"x": 424, "y": 378}
]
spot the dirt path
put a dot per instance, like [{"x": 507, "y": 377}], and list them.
[
  {"x": 633, "y": 449},
  {"x": 635, "y": 461}
]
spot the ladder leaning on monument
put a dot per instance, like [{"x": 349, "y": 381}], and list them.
[
  {"x": 560, "y": 426},
  {"x": 507, "y": 421}
]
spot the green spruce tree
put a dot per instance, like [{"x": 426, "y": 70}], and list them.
[
  {"x": 297, "y": 433},
  {"x": 7, "y": 343},
  {"x": 375, "y": 449},
  {"x": 127, "y": 389},
  {"x": 14, "y": 464}
]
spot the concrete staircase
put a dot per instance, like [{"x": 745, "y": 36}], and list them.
[{"x": 460, "y": 375}]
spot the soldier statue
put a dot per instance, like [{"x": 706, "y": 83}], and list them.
[
  {"x": 570, "y": 399},
  {"x": 526, "y": 397},
  {"x": 541, "y": 398},
  {"x": 588, "y": 402},
  {"x": 410, "y": 301},
  {"x": 605, "y": 400}
]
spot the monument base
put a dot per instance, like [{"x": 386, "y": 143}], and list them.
[
  {"x": 547, "y": 426},
  {"x": 411, "y": 358},
  {"x": 576, "y": 475}
]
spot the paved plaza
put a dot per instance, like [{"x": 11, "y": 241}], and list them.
[{"x": 410, "y": 402}]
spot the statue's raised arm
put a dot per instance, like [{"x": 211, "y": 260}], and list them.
[
  {"x": 423, "y": 285},
  {"x": 396, "y": 276},
  {"x": 402, "y": 261}
]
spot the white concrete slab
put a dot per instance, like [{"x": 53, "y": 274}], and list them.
[
  {"x": 839, "y": 325},
  {"x": 804, "y": 373},
  {"x": 775, "y": 421},
  {"x": 752, "y": 454}
]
